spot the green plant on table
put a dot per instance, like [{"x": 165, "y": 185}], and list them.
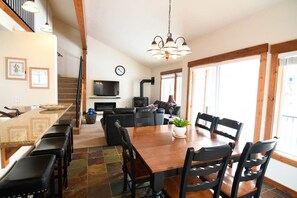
[{"x": 179, "y": 122}]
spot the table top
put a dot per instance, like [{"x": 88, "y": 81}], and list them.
[
  {"x": 161, "y": 151},
  {"x": 28, "y": 128}
]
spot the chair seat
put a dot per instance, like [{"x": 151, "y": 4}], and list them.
[
  {"x": 172, "y": 188},
  {"x": 55, "y": 145},
  {"x": 245, "y": 187},
  {"x": 30, "y": 175},
  {"x": 141, "y": 171},
  {"x": 57, "y": 131}
]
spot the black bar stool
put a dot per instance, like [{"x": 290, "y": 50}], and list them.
[
  {"x": 32, "y": 175},
  {"x": 58, "y": 147},
  {"x": 61, "y": 131},
  {"x": 67, "y": 122}
]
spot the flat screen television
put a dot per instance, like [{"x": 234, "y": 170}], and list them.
[{"x": 106, "y": 88}]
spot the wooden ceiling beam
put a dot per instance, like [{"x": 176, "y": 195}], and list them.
[{"x": 79, "y": 9}]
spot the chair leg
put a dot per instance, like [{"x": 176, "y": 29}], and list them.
[
  {"x": 60, "y": 178},
  {"x": 133, "y": 189},
  {"x": 52, "y": 186},
  {"x": 125, "y": 181}
]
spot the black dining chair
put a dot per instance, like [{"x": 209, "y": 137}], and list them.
[
  {"x": 207, "y": 160},
  {"x": 205, "y": 121},
  {"x": 132, "y": 165},
  {"x": 228, "y": 128},
  {"x": 144, "y": 118},
  {"x": 246, "y": 180}
]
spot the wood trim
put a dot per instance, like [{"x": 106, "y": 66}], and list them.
[
  {"x": 284, "y": 47},
  {"x": 271, "y": 96},
  {"x": 250, "y": 51},
  {"x": 78, "y": 4},
  {"x": 272, "y": 89},
  {"x": 84, "y": 81},
  {"x": 282, "y": 158},
  {"x": 189, "y": 94},
  {"x": 14, "y": 16},
  {"x": 280, "y": 187},
  {"x": 171, "y": 71},
  {"x": 6, "y": 153},
  {"x": 260, "y": 97}
]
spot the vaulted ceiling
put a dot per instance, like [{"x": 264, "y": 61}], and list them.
[{"x": 130, "y": 26}]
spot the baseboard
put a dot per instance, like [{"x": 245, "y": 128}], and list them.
[{"x": 280, "y": 187}]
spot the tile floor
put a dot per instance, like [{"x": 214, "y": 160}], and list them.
[{"x": 96, "y": 172}]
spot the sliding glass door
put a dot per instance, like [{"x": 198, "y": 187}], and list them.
[{"x": 228, "y": 90}]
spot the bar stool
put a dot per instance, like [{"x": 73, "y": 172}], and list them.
[
  {"x": 67, "y": 122},
  {"x": 58, "y": 147},
  {"x": 32, "y": 175},
  {"x": 61, "y": 131}
]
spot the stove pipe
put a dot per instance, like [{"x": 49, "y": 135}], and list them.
[{"x": 152, "y": 81}]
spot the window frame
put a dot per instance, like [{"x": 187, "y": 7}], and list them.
[
  {"x": 275, "y": 50},
  {"x": 174, "y": 71},
  {"x": 260, "y": 50}
]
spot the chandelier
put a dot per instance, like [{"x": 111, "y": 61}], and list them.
[{"x": 170, "y": 49}]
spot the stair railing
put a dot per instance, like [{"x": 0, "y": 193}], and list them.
[{"x": 78, "y": 92}]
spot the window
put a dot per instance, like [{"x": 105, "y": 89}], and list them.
[
  {"x": 231, "y": 86},
  {"x": 171, "y": 83},
  {"x": 281, "y": 117}
]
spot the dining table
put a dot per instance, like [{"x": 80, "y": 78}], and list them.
[
  {"x": 164, "y": 153},
  {"x": 28, "y": 128}
]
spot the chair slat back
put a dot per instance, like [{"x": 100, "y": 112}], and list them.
[
  {"x": 213, "y": 160},
  {"x": 145, "y": 118},
  {"x": 228, "y": 128},
  {"x": 252, "y": 165},
  {"x": 205, "y": 121},
  {"x": 127, "y": 150}
]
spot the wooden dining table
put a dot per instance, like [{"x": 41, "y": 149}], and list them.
[{"x": 164, "y": 154}]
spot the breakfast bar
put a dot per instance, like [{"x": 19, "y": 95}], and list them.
[{"x": 28, "y": 128}]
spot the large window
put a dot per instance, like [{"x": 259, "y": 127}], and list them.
[
  {"x": 282, "y": 101},
  {"x": 171, "y": 83},
  {"x": 230, "y": 86}
]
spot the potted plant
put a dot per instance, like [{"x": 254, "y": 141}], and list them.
[{"x": 180, "y": 126}]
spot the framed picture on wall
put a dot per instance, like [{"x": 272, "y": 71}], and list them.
[
  {"x": 16, "y": 68},
  {"x": 39, "y": 78}
]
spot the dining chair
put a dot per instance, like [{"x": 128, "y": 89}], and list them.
[
  {"x": 228, "y": 128},
  {"x": 144, "y": 118},
  {"x": 132, "y": 165},
  {"x": 246, "y": 180},
  {"x": 206, "y": 121},
  {"x": 197, "y": 164}
]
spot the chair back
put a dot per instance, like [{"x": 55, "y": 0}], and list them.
[
  {"x": 145, "y": 118},
  {"x": 212, "y": 160},
  {"x": 228, "y": 128},
  {"x": 127, "y": 151},
  {"x": 205, "y": 121},
  {"x": 252, "y": 165}
]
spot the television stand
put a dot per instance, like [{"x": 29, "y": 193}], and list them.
[{"x": 105, "y": 97}]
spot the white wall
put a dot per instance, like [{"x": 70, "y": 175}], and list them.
[
  {"x": 40, "y": 51},
  {"x": 101, "y": 63},
  {"x": 69, "y": 46},
  {"x": 274, "y": 25}
]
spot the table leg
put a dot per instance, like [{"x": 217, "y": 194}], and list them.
[{"x": 157, "y": 184}]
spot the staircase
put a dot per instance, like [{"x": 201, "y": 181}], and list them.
[{"x": 67, "y": 94}]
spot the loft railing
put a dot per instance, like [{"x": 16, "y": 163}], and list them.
[
  {"x": 16, "y": 7},
  {"x": 78, "y": 93}
]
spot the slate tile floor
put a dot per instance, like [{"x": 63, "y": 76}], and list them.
[{"x": 96, "y": 172}]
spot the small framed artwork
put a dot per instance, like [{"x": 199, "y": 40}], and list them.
[
  {"x": 16, "y": 68},
  {"x": 39, "y": 78}
]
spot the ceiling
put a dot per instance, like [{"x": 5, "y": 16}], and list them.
[{"x": 130, "y": 26}]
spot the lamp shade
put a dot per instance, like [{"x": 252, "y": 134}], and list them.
[
  {"x": 184, "y": 49},
  {"x": 30, "y": 6},
  {"x": 154, "y": 48},
  {"x": 171, "y": 99},
  {"x": 46, "y": 28},
  {"x": 170, "y": 45}
]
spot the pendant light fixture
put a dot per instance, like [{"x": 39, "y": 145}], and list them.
[
  {"x": 30, "y": 6},
  {"x": 46, "y": 28},
  {"x": 170, "y": 49}
]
